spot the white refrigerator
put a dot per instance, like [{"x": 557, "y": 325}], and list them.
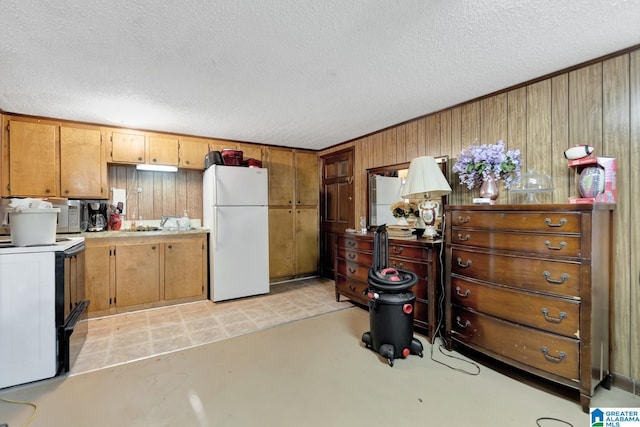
[{"x": 235, "y": 210}]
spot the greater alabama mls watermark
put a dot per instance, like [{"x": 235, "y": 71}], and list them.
[{"x": 615, "y": 417}]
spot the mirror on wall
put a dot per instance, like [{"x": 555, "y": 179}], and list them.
[{"x": 384, "y": 187}]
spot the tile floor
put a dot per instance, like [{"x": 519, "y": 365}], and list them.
[{"x": 122, "y": 338}]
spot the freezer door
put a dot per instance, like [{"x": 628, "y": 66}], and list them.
[
  {"x": 238, "y": 186},
  {"x": 239, "y": 252}
]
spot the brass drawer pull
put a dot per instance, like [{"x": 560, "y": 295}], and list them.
[
  {"x": 464, "y": 220},
  {"x": 561, "y": 356},
  {"x": 547, "y": 243},
  {"x": 353, "y": 288},
  {"x": 397, "y": 250},
  {"x": 564, "y": 277},
  {"x": 460, "y": 264},
  {"x": 352, "y": 270},
  {"x": 463, "y": 326},
  {"x": 563, "y": 221},
  {"x": 351, "y": 243},
  {"x": 351, "y": 256},
  {"x": 401, "y": 265},
  {"x": 463, "y": 239},
  {"x": 545, "y": 313},
  {"x": 466, "y": 293}
]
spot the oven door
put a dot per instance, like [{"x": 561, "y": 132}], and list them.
[{"x": 71, "y": 337}]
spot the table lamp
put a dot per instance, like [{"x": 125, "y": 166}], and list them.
[{"x": 425, "y": 180}]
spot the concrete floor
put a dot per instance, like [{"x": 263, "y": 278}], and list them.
[{"x": 311, "y": 372}]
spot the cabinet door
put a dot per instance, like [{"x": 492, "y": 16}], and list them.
[
  {"x": 33, "y": 159},
  {"x": 191, "y": 153},
  {"x": 281, "y": 243},
  {"x": 306, "y": 240},
  {"x": 307, "y": 189},
  {"x": 163, "y": 150},
  {"x": 127, "y": 146},
  {"x": 250, "y": 151},
  {"x": 137, "y": 274},
  {"x": 281, "y": 176},
  {"x": 97, "y": 274},
  {"x": 83, "y": 167},
  {"x": 183, "y": 275}
]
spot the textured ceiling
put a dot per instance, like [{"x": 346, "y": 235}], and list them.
[{"x": 306, "y": 74}]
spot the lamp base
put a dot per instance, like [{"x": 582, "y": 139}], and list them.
[{"x": 430, "y": 232}]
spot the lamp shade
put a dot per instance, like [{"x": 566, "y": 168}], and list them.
[{"x": 425, "y": 180}]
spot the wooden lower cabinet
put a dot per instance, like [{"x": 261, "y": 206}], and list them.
[
  {"x": 529, "y": 286},
  {"x": 293, "y": 243},
  {"x": 354, "y": 258},
  {"x": 123, "y": 274}
]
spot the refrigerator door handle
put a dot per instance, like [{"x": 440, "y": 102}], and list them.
[{"x": 215, "y": 227}]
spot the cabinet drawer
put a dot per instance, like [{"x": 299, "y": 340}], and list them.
[
  {"x": 353, "y": 270},
  {"x": 421, "y": 289},
  {"x": 355, "y": 256},
  {"x": 353, "y": 289},
  {"x": 545, "y": 222},
  {"x": 553, "y": 277},
  {"x": 550, "y": 245},
  {"x": 551, "y": 353},
  {"x": 557, "y": 315},
  {"x": 407, "y": 251},
  {"x": 420, "y": 269},
  {"x": 350, "y": 242}
]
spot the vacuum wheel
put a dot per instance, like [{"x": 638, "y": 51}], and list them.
[{"x": 390, "y": 361}]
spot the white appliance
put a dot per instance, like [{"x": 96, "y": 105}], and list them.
[
  {"x": 386, "y": 191},
  {"x": 235, "y": 210},
  {"x": 32, "y": 312}
]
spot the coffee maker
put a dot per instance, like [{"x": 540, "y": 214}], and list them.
[{"x": 96, "y": 215}]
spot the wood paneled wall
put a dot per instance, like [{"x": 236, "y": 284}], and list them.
[
  {"x": 599, "y": 105},
  {"x": 162, "y": 193}
]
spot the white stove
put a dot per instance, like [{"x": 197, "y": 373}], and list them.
[
  {"x": 61, "y": 244},
  {"x": 39, "y": 309}
]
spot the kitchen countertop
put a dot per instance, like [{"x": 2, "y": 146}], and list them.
[{"x": 128, "y": 233}]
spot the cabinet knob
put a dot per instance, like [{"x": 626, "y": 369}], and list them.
[
  {"x": 140, "y": 158},
  {"x": 170, "y": 247},
  {"x": 66, "y": 191},
  {"x": 153, "y": 248},
  {"x": 187, "y": 162},
  {"x": 154, "y": 160},
  {"x": 47, "y": 191}
]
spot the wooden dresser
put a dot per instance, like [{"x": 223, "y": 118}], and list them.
[
  {"x": 354, "y": 257},
  {"x": 529, "y": 286}
]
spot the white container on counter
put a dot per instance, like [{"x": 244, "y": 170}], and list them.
[{"x": 33, "y": 227}]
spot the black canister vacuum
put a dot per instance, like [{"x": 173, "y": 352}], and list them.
[{"x": 391, "y": 305}]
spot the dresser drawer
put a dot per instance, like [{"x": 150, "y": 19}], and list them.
[
  {"x": 420, "y": 269},
  {"x": 354, "y": 270},
  {"x": 557, "y": 315},
  {"x": 407, "y": 251},
  {"x": 349, "y": 242},
  {"x": 550, "y": 245},
  {"x": 545, "y": 222},
  {"x": 548, "y": 276},
  {"x": 551, "y": 353},
  {"x": 362, "y": 258},
  {"x": 353, "y": 289}
]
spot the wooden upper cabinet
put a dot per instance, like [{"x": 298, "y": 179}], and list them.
[
  {"x": 83, "y": 168},
  {"x": 163, "y": 150},
  {"x": 127, "y": 146},
  {"x": 33, "y": 159},
  {"x": 281, "y": 176},
  {"x": 251, "y": 151},
  {"x": 306, "y": 178},
  {"x": 191, "y": 153}
]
